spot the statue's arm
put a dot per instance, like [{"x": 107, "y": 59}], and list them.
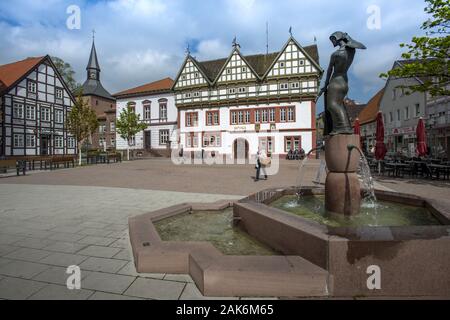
[{"x": 329, "y": 73}]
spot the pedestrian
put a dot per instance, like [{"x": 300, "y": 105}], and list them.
[{"x": 260, "y": 158}]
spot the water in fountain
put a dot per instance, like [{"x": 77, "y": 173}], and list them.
[
  {"x": 321, "y": 172},
  {"x": 300, "y": 177},
  {"x": 369, "y": 199}
]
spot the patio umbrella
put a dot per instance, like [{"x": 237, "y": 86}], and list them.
[
  {"x": 380, "y": 148},
  {"x": 421, "y": 139}
]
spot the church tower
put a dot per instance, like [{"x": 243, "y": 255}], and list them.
[{"x": 102, "y": 102}]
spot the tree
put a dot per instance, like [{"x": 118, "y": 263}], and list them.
[
  {"x": 430, "y": 53},
  {"x": 128, "y": 125},
  {"x": 81, "y": 122},
  {"x": 66, "y": 71}
]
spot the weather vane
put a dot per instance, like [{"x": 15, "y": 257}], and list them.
[
  {"x": 188, "y": 50},
  {"x": 93, "y": 34}
]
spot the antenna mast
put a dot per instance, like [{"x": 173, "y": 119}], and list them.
[{"x": 267, "y": 37}]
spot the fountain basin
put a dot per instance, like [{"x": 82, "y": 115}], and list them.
[
  {"x": 414, "y": 260},
  {"x": 215, "y": 273}
]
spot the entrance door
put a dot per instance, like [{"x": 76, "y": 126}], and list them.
[
  {"x": 45, "y": 145},
  {"x": 148, "y": 139},
  {"x": 240, "y": 149}
]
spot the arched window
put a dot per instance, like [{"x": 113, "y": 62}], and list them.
[
  {"x": 147, "y": 110},
  {"x": 162, "y": 109}
]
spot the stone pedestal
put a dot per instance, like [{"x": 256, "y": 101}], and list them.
[{"x": 342, "y": 189}]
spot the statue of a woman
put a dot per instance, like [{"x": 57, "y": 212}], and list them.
[{"x": 336, "y": 84}]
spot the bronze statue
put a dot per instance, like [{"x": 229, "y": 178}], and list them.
[{"x": 336, "y": 84}]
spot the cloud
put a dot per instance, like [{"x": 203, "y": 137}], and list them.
[{"x": 211, "y": 49}]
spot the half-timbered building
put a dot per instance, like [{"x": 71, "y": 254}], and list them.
[
  {"x": 262, "y": 101},
  {"x": 34, "y": 104}
]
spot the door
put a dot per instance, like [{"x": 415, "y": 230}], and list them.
[
  {"x": 147, "y": 139},
  {"x": 240, "y": 149},
  {"x": 45, "y": 145}
]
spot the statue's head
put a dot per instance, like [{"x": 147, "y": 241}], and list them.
[{"x": 338, "y": 38}]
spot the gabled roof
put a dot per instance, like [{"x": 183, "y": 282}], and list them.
[
  {"x": 369, "y": 113},
  {"x": 236, "y": 49},
  {"x": 353, "y": 109},
  {"x": 12, "y": 73},
  {"x": 259, "y": 63},
  {"x": 156, "y": 87}
]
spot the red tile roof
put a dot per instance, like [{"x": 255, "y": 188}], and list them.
[
  {"x": 153, "y": 87},
  {"x": 13, "y": 72},
  {"x": 369, "y": 113}
]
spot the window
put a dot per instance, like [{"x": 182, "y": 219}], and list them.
[
  {"x": 284, "y": 86},
  {"x": 45, "y": 114},
  {"x": 271, "y": 115},
  {"x": 70, "y": 142},
  {"x": 18, "y": 111},
  {"x": 282, "y": 64},
  {"x": 191, "y": 119},
  {"x": 211, "y": 139},
  {"x": 244, "y": 69},
  {"x": 192, "y": 140},
  {"x": 102, "y": 142},
  {"x": 112, "y": 127},
  {"x": 163, "y": 137},
  {"x": 233, "y": 117},
  {"x": 196, "y": 94},
  {"x": 196, "y": 75},
  {"x": 391, "y": 117},
  {"x": 398, "y": 115},
  {"x": 113, "y": 141},
  {"x": 59, "y": 116},
  {"x": 212, "y": 118},
  {"x": 228, "y": 71},
  {"x": 417, "y": 110},
  {"x": 132, "y": 106},
  {"x": 265, "y": 143},
  {"x": 30, "y": 112},
  {"x": 59, "y": 93},
  {"x": 292, "y": 143},
  {"x": 283, "y": 114},
  {"x": 302, "y": 62},
  {"x": 291, "y": 114},
  {"x": 406, "y": 113},
  {"x": 232, "y": 91},
  {"x": 132, "y": 141},
  {"x": 31, "y": 86},
  {"x": 295, "y": 85},
  {"x": 147, "y": 110},
  {"x": 187, "y": 95},
  {"x": 240, "y": 117},
  {"x": 247, "y": 116},
  {"x": 102, "y": 128},
  {"x": 18, "y": 141},
  {"x": 242, "y": 90},
  {"x": 183, "y": 77},
  {"x": 163, "y": 111},
  {"x": 264, "y": 115},
  {"x": 257, "y": 116},
  {"x": 59, "y": 142}
]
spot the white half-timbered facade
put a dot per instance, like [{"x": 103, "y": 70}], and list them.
[
  {"x": 34, "y": 104},
  {"x": 155, "y": 104},
  {"x": 265, "y": 101}
]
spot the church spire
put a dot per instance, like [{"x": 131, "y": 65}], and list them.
[{"x": 93, "y": 67}]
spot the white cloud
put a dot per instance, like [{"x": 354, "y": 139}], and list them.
[{"x": 212, "y": 49}]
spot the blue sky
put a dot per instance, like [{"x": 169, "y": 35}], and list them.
[{"x": 139, "y": 41}]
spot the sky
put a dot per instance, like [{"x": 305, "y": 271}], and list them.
[{"x": 140, "y": 41}]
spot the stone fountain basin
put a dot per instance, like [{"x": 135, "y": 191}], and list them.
[
  {"x": 216, "y": 274},
  {"x": 414, "y": 260}
]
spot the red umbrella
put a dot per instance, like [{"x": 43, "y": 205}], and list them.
[
  {"x": 421, "y": 138},
  {"x": 380, "y": 148},
  {"x": 357, "y": 127}
]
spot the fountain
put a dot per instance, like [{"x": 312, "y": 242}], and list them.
[{"x": 325, "y": 243}]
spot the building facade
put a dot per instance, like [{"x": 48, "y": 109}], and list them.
[
  {"x": 155, "y": 104},
  {"x": 102, "y": 102},
  {"x": 264, "y": 101},
  {"x": 401, "y": 112},
  {"x": 34, "y": 104},
  {"x": 368, "y": 121},
  {"x": 438, "y": 125}
]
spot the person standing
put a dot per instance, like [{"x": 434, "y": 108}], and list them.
[{"x": 260, "y": 156}]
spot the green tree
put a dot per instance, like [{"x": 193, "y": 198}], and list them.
[
  {"x": 66, "y": 71},
  {"x": 430, "y": 53},
  {"x": 128, "y": 125},
  {"x": 81, "y": 122}
]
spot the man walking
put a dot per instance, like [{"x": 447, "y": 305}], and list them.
[{"x": 260, "y": 158}]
